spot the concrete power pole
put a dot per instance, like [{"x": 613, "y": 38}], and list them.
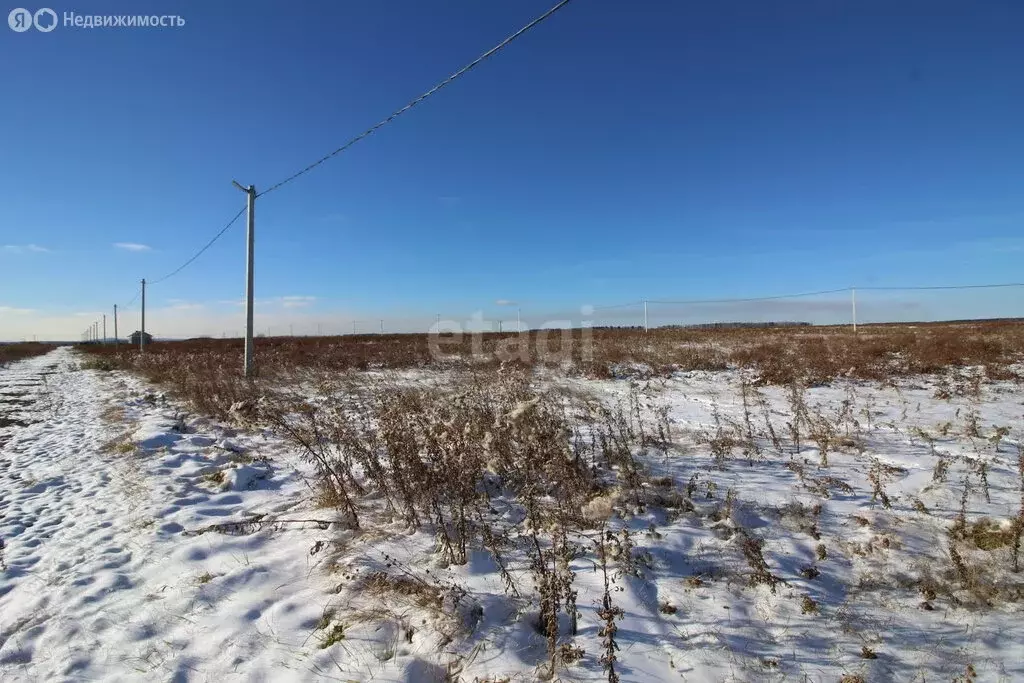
[
  {"x": 117, "y": 341},
  {"x": 249, "y": 254},
  {"x": 645, "y": 315},
  {"x": 104, "y": 328},
  {"x": 142, "y": 332},
  {"x": 853, "y": 303}
]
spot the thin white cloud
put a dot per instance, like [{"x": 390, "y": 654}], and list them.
[
  {"x": 16, "y": 311},
  {"x": 283, "y": 301},
  {"x": 24, "y": 248},
  {"x": 504, "y": 302},
  {"x": 132, "y": 246},
  {"x": 297, "y": 301},
  {"x": 182, "y": 305}
]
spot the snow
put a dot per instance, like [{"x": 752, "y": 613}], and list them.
[
  {"x": 103, "y": 579},
  {"x": 144, "y": 543}
]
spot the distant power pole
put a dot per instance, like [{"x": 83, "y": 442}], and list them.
[
  {"x": 142, "y": 332},
  {"x": 249, "y": 258},
  {"x": 853, "y": 302},
  {"x": 382, "y": 325},
  {"x": 104, "y": 328},
  {"x": 117, "y": 341},
  {"x": 645, "y": 315}
]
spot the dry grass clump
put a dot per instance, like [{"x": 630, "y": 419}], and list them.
[
  {"x": 436, "y": 455},
  {"x": 487, "y": 461},
  {"x": 12, "y": 352},
  {"x": 986, "y": 534}
]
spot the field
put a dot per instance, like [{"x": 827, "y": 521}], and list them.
[
  {"x": 13, "y": 352},
  {"x": 702, "y": 505}
]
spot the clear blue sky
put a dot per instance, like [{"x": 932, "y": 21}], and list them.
[{"x": 621, "y": 150}]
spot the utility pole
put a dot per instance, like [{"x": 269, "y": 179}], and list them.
[
  {"x": 353, "y": 327},
  {"x": 382, "y": 325},
  {"x": 117, "y": 340},
  {"x": 142, "y": 332},
  {"x": 249, "y": 253},
  {"x": 853, "y": 302},
  {"x": 645, "y": 315},
  {"x": 104, "y": 328}
]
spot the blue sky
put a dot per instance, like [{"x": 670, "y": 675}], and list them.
[{"x": 619, "y": 151}]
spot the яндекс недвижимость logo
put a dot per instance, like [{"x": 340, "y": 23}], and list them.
[
  {"x": 45, "y": 20},
  {"x": 21, "y": 20}
]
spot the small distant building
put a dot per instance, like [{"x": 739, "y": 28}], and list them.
[{"x": 137, "y": 335}]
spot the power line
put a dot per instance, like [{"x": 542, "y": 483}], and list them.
[
  {"x": 629, "y": 305},
  {"x": 756, "y": 298},
  {"x": 200, "y": 252},
  {"x": 494, "y": 50},
  {"x": 895, "y": 289}
]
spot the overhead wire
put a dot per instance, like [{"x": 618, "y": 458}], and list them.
[
  {"x": 750, "y": 299},
  {"x": 398, "y": 112},
  {"x": 201, "y": 251},
  {"x": 369, "y": 131},
  {"x": 1004, "y": 284}
]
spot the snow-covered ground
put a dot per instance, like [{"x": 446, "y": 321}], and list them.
[
  {"x": 112, "y": 569},
  {"x": 104, "y": 576}
]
